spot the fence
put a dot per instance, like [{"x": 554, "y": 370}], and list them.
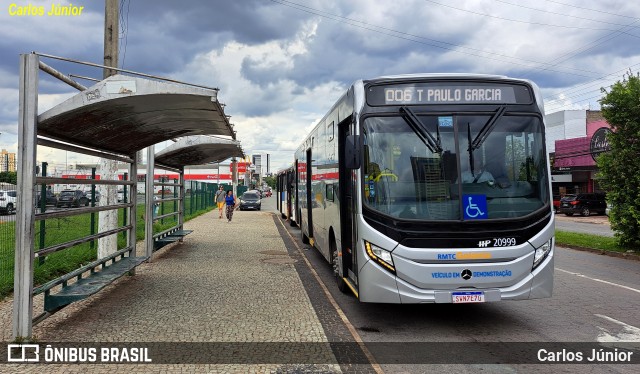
[{"x": 198, "y": 200}]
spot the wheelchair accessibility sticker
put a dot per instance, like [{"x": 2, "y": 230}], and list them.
[{"x": 475, "y": 206}]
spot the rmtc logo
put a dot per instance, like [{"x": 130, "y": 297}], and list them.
[{"x": 484, "y": 243}]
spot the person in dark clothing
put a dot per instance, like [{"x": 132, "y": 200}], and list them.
[{"x": 231, "y": 205}]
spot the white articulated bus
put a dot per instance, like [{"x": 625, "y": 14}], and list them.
[
  {"x": 431, "y": 188},
  {"x": 285, "y": 194}
]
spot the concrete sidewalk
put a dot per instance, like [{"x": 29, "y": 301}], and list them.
[{"x": 228, "y": 282}]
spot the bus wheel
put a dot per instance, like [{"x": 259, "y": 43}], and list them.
[{"x": 342, "y": 286}]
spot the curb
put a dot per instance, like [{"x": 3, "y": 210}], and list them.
[{"x": 626, "y": 256}]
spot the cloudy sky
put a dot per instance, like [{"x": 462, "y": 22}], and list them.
[{"x": 281, "y": 64}]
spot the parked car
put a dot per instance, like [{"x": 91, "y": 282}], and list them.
[
  {"x": 8, "y": 201},
  {"x": 88, "y": 194},
  {"x": 72, "y": 198},
  {"x": 584, "y": 204},
  {"x": 51, "y": 198},
  {"x": 250, "y": 200}
]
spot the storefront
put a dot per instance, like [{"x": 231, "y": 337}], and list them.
[{"x": 574, "y": 169}]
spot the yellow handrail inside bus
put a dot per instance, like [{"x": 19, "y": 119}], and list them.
[{"x": 395, "y": 177}]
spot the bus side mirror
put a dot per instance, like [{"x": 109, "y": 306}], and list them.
[{"x": 352, "y": 152}]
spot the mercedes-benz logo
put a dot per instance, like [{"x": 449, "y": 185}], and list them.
[{"x": 466, "y": 274}]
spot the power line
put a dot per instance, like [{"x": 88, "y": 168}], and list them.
[
  {"x": 560, "y": 14},
  {"x": 519, "y": 21},
  {"x": 590, "y": 9},
  {"x": 560, "y": 108},
  {"x": 412, "y": 38},
  {"x": 583, "y": 49},
  {"x": 578, "y": 87},
  {"x": 581, "y": 94},
  {"x": 569, "y": 55},
  {"x": 408, "y": 36},
  {"x": 574, "y": 92}
]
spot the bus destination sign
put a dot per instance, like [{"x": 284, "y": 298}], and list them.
[{"x": 439, "y": 93}]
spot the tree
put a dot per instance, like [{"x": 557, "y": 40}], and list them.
[
  {"x": 9, "y": 177},
  {"x": 270, "y": 181},
  {"x": 619, "y": 167}
]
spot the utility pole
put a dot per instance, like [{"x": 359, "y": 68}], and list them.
[
  {"x": 111, "y": 35},
  {"x": 108, "y": 220}
]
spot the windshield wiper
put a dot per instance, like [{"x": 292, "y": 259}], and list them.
[
  {"x": 486, "y": 129},
  {"x": 421, "y": 130}
]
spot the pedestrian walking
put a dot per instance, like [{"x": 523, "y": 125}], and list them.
[
  {"x": 220, "y": 197},
  {"x": 231, "y": 205}
]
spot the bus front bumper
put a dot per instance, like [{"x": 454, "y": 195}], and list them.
[{"x": 379, "y": 285}]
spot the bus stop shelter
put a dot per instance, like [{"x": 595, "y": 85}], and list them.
[
  {"x": 186, "y": 151},
  {"x": 113, "y": 119}
]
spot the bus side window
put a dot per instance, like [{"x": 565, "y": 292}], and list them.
[{"x": 329, "y": 192}]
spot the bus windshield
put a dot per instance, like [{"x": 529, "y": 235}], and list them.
[{"x": 486, "y": 166}]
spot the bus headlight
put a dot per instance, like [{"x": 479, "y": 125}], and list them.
[
  {"x": 380, "y": 255},
  {"x": 541, "y": 253}
]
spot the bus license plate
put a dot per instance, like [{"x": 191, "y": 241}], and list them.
[{"x": 467, "y": 297}]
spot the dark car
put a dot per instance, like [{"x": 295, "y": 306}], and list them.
[
  {"x": 584, "y": 204},
  {"x": 51, "y": 198},
  {"x": 250, "y": 200},
  {"x": 72, "y": 198},
  {"x": 88, "y": 194},
  {"x": 257, "y": 192}
]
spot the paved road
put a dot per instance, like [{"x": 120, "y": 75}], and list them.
[
  {"x": 594, "y": 225},
  {"x": 596, "y": 299}
]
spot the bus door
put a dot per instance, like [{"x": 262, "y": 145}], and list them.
[
  {"x": 288, "y": 186},
  {"x": 279, "y": 192},
  {"x": 295, "y": 208},
  {"x": 347, "y": 209},
  {"x": 309, "y": 195}
]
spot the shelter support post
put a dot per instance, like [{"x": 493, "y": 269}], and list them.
[
  {"x": 25, "y": 220},
  {"x": 148, "y": 222},
  {"x": 234, "y": 176},
  {"x": 133, "y": 193},
  {"x": 181, "y": 201}
]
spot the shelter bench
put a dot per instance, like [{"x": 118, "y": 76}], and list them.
[
  {"x": 167, "y": 237},
  {"x": 110, "y": 268}
]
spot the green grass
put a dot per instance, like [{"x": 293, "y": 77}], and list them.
[
  {"x": 603, "y": 243},
  {"x": 61, "y": 230}
]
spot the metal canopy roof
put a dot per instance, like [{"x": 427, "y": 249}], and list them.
[
  {"x": 124, "y": 114},
  {"x": 198, "y": 150}
]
